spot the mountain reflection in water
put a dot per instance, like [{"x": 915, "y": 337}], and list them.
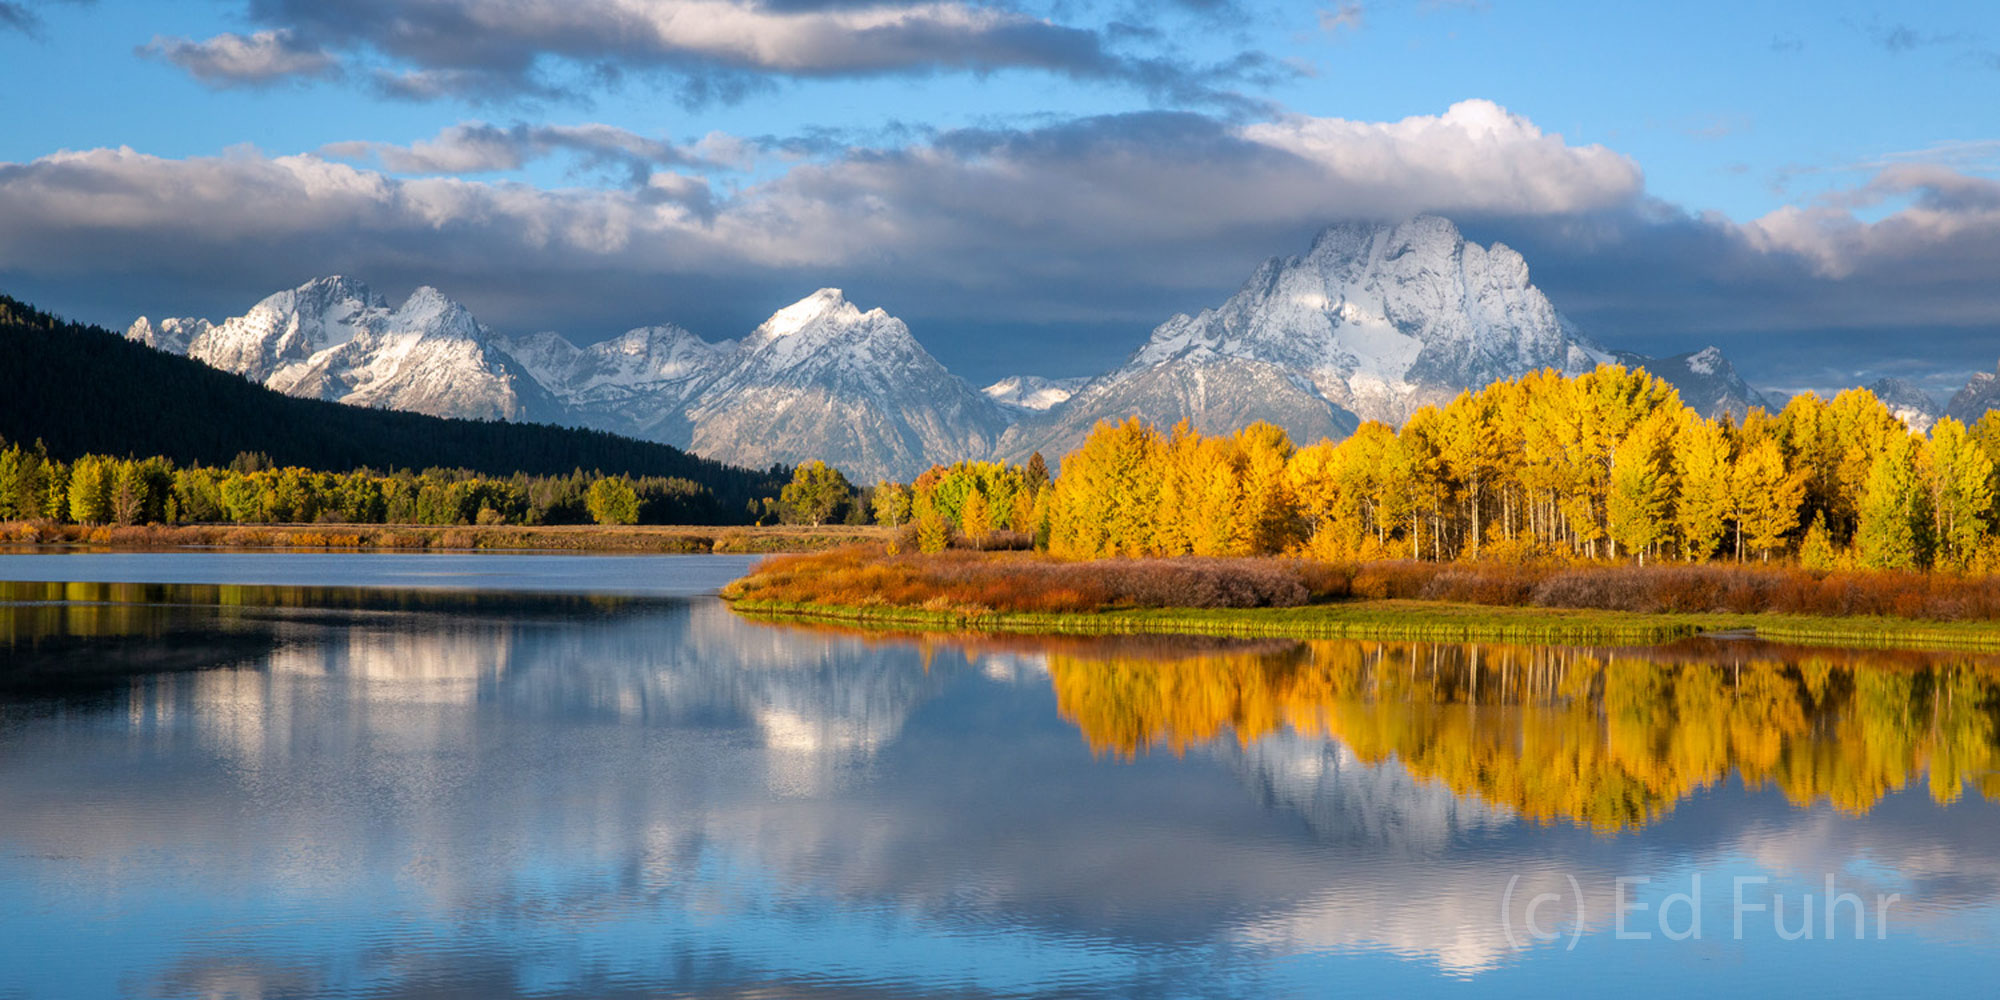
[{"x": 311, "y": 791}]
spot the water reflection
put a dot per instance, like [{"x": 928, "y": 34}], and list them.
[
  {"x": 1612, "y": 739},
  {"x": 602, "y": 797}
]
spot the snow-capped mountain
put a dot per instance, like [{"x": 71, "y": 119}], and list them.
[
  {"x": 1033, "y": 393},
  {"x": 1981, "y": 393},
  {"x": 1373, "y": 322},
  {"x": 333, "y": 338},
  {"x": 1706, "y": 380},
  {"x": 1909, "y": 403},
  {"x": 172, "y": 335},
  {"x": 822, "y": 379},
  {"x": 637, "y": 384}
]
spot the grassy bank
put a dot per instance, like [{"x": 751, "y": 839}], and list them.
[
  {"x": 1410, "y": 621},
  {"x": 1024, "y": 593},
  {"x": 417, "y": 538}
]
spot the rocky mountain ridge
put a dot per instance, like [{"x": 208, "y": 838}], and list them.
[{"x": 1371, "y": 323}]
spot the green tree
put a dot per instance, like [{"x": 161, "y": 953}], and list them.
[
  {"x": 1890, "y": 535},
  {"x": 612, "y": 500},
  {"x": 90, "y": 490},
  {"x": 129, "y": 492},
  {"x": 892, "y": 504},
  {"x": 1961, "y": 491},
  {"x": 55, "y": 496},
  {"x": 816, "y": 493}
]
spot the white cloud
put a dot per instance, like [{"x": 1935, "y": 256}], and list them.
[
  {"x": 233, "y": 60},
  {"x": 1117, "y": 219}
]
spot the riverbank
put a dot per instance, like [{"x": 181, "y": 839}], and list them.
[
  {"x": 1274, "y": 598},
  {"x": 650, "y": 539}
]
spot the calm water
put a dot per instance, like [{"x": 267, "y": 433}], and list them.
[{"x": 300, "y": 788}]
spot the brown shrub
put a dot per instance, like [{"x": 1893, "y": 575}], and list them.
[{"x": 1021, "y": 582}]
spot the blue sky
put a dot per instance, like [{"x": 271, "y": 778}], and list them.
[{"x": 1809, "y": 185}]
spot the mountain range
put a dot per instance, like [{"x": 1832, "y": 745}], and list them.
[
  {"x": 1371, "y": 323},
  {"x": 86, "y": 390}
]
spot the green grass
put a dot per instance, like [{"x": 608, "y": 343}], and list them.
[{"x": 1402, "y": 620}]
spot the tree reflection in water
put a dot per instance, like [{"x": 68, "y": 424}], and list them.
[{"x": 1608, "y": 738}]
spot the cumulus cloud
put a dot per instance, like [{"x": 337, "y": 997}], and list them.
[
  {"x": 712, "y": 49},
  {"x": 256, "y": 60},
  {"x": 1114, "y": 220}
]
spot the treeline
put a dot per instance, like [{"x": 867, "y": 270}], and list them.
[
  {"x": 1604, "y": 465},
  {"x": 84, "y": 390},
  {"x": 1607, "y": 464},
  {"x": 102, "y": 490}
]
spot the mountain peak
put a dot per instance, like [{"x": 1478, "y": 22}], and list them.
[
  {"x": 803, "y": 313},
  {"x": 1908, "y": 402}
]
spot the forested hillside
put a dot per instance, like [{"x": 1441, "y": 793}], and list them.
[{"x": 81, "y": 389}]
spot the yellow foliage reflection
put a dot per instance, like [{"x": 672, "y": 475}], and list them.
[{"x": 1609, "y": 739}]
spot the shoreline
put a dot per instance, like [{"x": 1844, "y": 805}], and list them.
[
  {"x": 1409, "y": 621},
  {"x": 32, "y": 537}
]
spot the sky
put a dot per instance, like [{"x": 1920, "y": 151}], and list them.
[{"x": 1032, "y": 184}]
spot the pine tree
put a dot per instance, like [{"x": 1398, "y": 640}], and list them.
[{"x": 1037, "y": 471}]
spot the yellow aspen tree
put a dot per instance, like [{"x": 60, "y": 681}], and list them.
[
  {"x": 1641, "y": 485},
  {"x": 1768, "y": 497},
  {"x": 1703, "y": 497},
  {"x": 1469, "y": 447},
  {"x": 1264, "y": 510},
  {"x": 975, "y": 518}
]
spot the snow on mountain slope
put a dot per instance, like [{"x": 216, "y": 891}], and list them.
[
  {"x": 1981, "y": 393},
  {"x": 1908, "y": 403},
  {"x": 1033, "y": 393},
  {"x": 172, "y": 335},
  {"x": 1373, "y": 322},
  {"x": 1707, "y": 382},
  {"x": 822, "y": 379},
  {"x": 638, "y": 383},
  {"x": 333, "y": 338}
]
